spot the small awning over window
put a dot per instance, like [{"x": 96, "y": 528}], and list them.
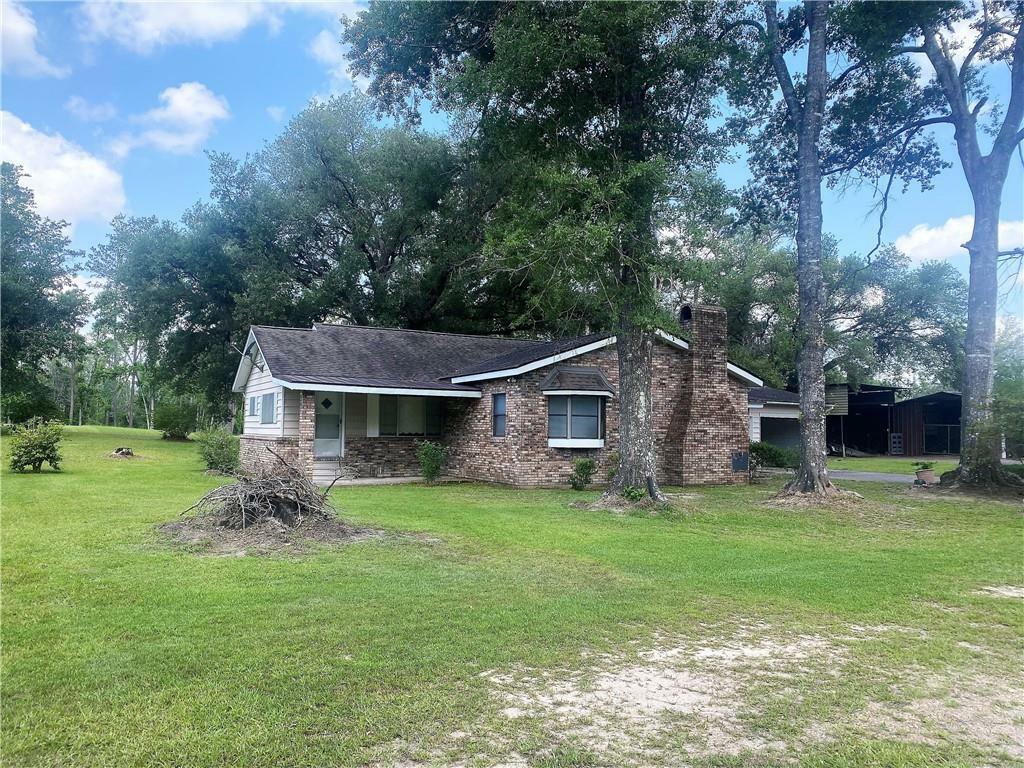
[{"x": 576, "y": 380}]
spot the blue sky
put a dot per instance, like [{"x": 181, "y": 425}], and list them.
[{"x": 110, "y": 106}]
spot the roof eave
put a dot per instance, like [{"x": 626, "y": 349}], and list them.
[{"x": 315, "y": 386}]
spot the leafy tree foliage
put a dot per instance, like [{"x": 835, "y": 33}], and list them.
[
  {"x": 837, "y": 117},
  {"x": 41, "y": 308},
  {"x": 597, "y": 108}
]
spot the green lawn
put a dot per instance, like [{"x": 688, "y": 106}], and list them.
[
  {"x": 890, "y": 464},
  {"x": 816, "y": 631}
]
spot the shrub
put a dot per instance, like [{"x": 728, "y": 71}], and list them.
[
  {"x": 582, "y": 475},
  {"x": 17, "y": 406},
  {"x": 1015, "y": 469},
  {"x": 634, "y": 493},
  {"x": 431, "y": 457},
  {"x": 175, "y": 420},
  {"x": 219, "y": 449},
  {"x": 34, "y": 443},
  {"x": 768, "y": 455}
]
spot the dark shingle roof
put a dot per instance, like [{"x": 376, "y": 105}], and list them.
[
  {"x": 580, "y": 378},
  {"x": 518, "y": 357},
  {"x": 764, "y": 395},
  {"x": 350, "y": 355}
]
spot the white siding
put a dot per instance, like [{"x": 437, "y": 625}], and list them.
[
  {"x": 259, "y": 384},
  {"x": 291, "y": 400},
  {"x": 755, "y": 426}
]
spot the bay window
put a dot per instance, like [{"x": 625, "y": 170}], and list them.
[{"x": 575, "y": 421}]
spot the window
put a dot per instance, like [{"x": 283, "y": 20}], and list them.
[
  {"x": 401, "y": 416},
  {"x": 252, "y": 405},
  {"x": 575, "y": 417},
  {"x": 268, "y": 413},
  {"x": 498, "y": 414}
]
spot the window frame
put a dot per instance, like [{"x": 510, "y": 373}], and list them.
[
  {"x": 252, "y": 405},
  {"x": 495, "y": 415},
  {"x": 427, "y": 404},
  {"x": 567, "y": 440}
]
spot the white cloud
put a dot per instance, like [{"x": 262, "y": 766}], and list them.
[
  {"x": 144, "y": 27},
  {"x": 18, "y": 42},
  {"x": 88, "y": 112},
  {"x": 184, "y": 121},
  {"x": 68, "y": 182},
  {"x": 276, "y": 113},
  {"x": 925, "y": 242},
  {"x": 327, "y": 49}
]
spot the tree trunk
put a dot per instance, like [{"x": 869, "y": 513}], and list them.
[
  {"x": 71, "y": 406},
  {"x": 980, "y": 443},
  {"x": 637, "y": 463},
  {"x": 812, "y": 474}
]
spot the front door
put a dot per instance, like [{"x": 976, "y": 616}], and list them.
[{"x": 328, "y": 438}]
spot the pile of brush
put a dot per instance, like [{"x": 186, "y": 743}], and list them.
[{"x": 275, "y": 491}]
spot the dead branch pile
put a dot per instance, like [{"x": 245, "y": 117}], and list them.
[{"x": 278, "y": 491}]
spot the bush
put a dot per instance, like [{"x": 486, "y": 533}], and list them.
[
  {"x": 1015, "y": 469},
  {"x": 582, "y": 473},
  {"x": 35, "y": 443},
  {"x": 219, "y": 449},
  {"x": 175, "y": 420},
  {"x": 17, "y": 406},
  {"x": 634, "y": 493},
  {"x": 768, "y": 455},
  {"x": 431, "y": 457}
]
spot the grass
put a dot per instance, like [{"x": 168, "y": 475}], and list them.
[
  {"x": 889, "y": 464},
  {"x": 121, "y": 650}
]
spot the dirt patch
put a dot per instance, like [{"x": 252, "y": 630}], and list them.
[
  {"x": 205, "y": 535},
  {"x": 1003, "y": 590},
  {"x": 618, "y": 505},
  {"x": 707, "y": 701},
  {"x": 837, "y": 500},
  {"x": 983, "y": 711},
  {"x": 673, "y": 691}
]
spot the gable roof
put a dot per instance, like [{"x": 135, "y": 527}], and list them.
[
  {"x": 362, "y": 358},
  {"x": 577, "y": 378},
  {"x": 359, "y": 356},
  {"x": 516, "y": 359}
]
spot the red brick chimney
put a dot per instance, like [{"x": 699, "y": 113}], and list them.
[{"x": 716, "y": 422}]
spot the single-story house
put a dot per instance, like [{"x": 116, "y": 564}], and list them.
[{"x": 341, "y": 400}]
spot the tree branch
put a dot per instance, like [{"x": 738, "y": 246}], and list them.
[
  {"x": 915, "y": 126},
  {"x": 771, "y": 17}
]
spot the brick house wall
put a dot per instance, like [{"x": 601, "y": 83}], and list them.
[
  {"x": 700, "y": 419},
  {"x": 253, "y": 450}
]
